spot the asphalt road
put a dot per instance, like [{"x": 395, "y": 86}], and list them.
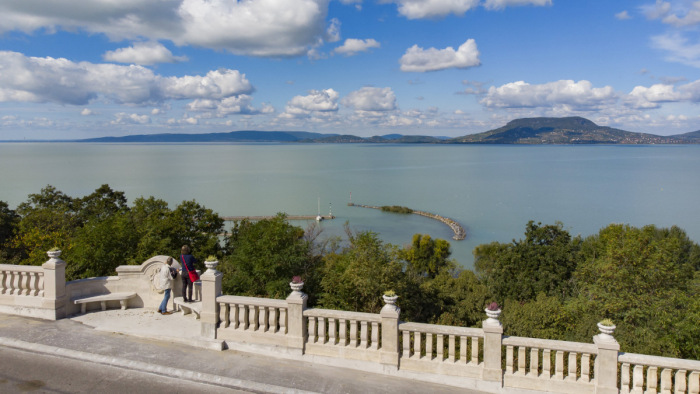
[{"x": 26, "y": 372}]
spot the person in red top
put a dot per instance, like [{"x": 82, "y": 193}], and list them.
[{"x": 188, "y": 264}]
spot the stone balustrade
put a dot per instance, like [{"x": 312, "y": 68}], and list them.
[
  {"x": 474, "y": 358},
  {"x": 21, "y": 280},
  {"x": 642, "y": 374}
]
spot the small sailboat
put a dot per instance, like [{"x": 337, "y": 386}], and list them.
[{"x": 319, "y": 217}]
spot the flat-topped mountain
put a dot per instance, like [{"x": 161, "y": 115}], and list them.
[{"x": 570, "y": 130}]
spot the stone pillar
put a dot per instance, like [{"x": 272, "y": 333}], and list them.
[
  {"x": 55, "y": 285},
  {"x": 606, "y": 361},
  {"x": 493, "y": 334},
  {"x": 296, "y": 323},
  {"x": 390, "y": 332},
  {"x": 211, "y": 288}
]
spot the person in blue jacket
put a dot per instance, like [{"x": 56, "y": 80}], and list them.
[{"x": 188, "y": 264}]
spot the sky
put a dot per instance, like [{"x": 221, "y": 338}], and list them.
[{"x": 72, "y": 69}]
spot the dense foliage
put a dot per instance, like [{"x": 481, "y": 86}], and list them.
[
  {"x": 396, "y": 209},
  {"x": 550, "y": 284}
]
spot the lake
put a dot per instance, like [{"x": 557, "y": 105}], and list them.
[{"x": 492, "y": 190}]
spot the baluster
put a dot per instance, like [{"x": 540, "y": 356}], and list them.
[
  {"x": 343, "y": 332},
  {"x": 262, "y": 318},
  {"x": 24, "y": 284},
  {"x": 364, "y": 335},
  {"x": 252, "y": 318},
  {"x": 41, "y": 284},
  {"x": 33, "y": 279},
  {"x": 375, "y": 336},
  {"x": 586, "y": 367},
  {"x": 440, "y": 350},
  {"x": 272, "y": 319},
  {"x": 522, "y": 358},
  {"x": 679, "y": 381},
  {"x": 572, "y": 367},
  {"x": 546, "y": 363},
  {"x": 509, "y": 359},
  {"x": 666, "y": 381},
  {"x": 475, "y": 351},
  {"x": 559, "y": 365},
  {"x": 3, "y": 276},
  {"x": 463, "y": 349},
  {"x": 652, "y": 378},
  {"x": 224, "y": 315},
  {"x": 322, "y": 329},
  {"x": 417, "y": 346},
  {"x": 406, "y": 344},
  {"x": 534, "y": 362},
  {"x": 283, "y": 321},
  {"x": 429, "y": 345},
  {"x": 452, "y": 350},
  {"x": 638, "y": 379},
  {"x": 353, "y": 333},
  {"x": 311, "y": 327},
  {"x": 242, "y": 317},
  {"x": 15, "y": 283},
  {"x": 331, "y": 330},
  {"x": 625, "y": 378},
  {"x": 694, "y": 383}
]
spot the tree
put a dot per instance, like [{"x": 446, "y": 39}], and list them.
[
  {"x": 9, "y": 221},
  {"x": 427, "y": 257},
  {"x": 263, "y": 256},
  {"x": 542, "y": 262},
  {"x": 355, "y": 278}
]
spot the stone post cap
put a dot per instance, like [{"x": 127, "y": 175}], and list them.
[
  {"x": 492, "y": 326},
  {"x": 390, "y": 311},
  {"x": 607, "y": 342},
  {"x": 54, "y": 260},
  {"x": 297, "y": 297}
]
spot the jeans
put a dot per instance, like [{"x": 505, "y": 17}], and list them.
[
  {"x": 186, "y": 286},
  {"x": 164, "y": 305}
]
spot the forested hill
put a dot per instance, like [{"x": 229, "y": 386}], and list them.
[{"x": 571, "y": 130}]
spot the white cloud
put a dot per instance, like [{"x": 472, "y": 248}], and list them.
[
  {"x": 418, "y": 9},
  {"x": 124, "y": 118},
  {"x": 33, "y": 79},
  {"x": 566, "y": 95},
  {"x": 645, "y": 98},
  {"x": 333, "y": 31},
  {"x": 678, "y": 48},
  {"x": 86, "y": 112},
  {"x": 143, "y": 53},
  {"x": 623, "y": 15},
  {"x": 317, "y": 100},
  {"x": 667, "y": 13},
  {"x": 258, "y": 28},
  {"x": 371, "y": 99},
  {"x": 352, "y": 46},
  {"x": 417, "y": 59},
  {"x": 500, "y": 4}
]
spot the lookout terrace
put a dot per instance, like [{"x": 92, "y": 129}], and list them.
[{"x": 482, "y": 359}]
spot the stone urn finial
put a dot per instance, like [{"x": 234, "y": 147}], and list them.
[
  {"x": 211, "y": 262},
  {"x": 606, "y": 328},
  {"x": 493, "y": 312},
  {"x": 54, "y": 253},
  {"x": 296, "y": 284}
]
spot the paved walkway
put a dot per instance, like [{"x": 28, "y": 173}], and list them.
[{"x": 140, "y": 339}]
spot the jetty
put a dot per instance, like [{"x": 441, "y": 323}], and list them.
[
  {"x": 459, "y": 231},
  {"x": 289, "y": 217}
]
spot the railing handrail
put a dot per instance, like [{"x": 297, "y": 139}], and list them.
[
  {"x": 255, "y": 301},
  {"x": 550, "y": 344},
  {"x": 335, "y": 314},
  {"x": 442, "y": 330},
  {"x": 658, "y": 361},
  {"x": 21, "y": 268}
]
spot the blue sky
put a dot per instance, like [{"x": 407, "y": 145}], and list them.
[{"x": 90, "y": 68}]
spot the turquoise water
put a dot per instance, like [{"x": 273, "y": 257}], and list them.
[{"x": 491, "y": 190}]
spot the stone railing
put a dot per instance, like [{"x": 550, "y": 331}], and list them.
[{"x": 473, "y": 358}]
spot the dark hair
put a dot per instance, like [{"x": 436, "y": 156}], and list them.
[
  {"x": 185, "y": 249},
  {"x": 169, "y": 261}
]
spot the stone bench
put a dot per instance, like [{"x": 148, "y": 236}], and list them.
[
  {"x": 102, "y": 299},
  {"x": 188, "y": 307}
]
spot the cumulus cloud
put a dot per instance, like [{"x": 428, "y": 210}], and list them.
[
  {"x": 564, "y": 94},
  {"x": 417, "y": 59},
  {"x": 623, "y": 15},
  {"x": 33, "y": 79},
  {"x": 144, "y": 53},
  {"x": 258, "y": 28},
  {"x": 420, "y": 9},
  {"x": 678, "y": 17},
  {"x": 352, "y": 46},
  {"x": 317, "y": 100},
  {"x": 123, "y": 118},
  {"x": 333, "y": 31},
  {"x": 236, "y": 105},
  {"x": 86, "y": 112},
  {"x": 371, "y": 99},
  {"x": 642, "y": 97},
  {"x": 678, "y": 48}
]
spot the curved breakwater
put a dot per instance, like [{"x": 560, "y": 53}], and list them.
[{"x": 460, "y": 232}]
